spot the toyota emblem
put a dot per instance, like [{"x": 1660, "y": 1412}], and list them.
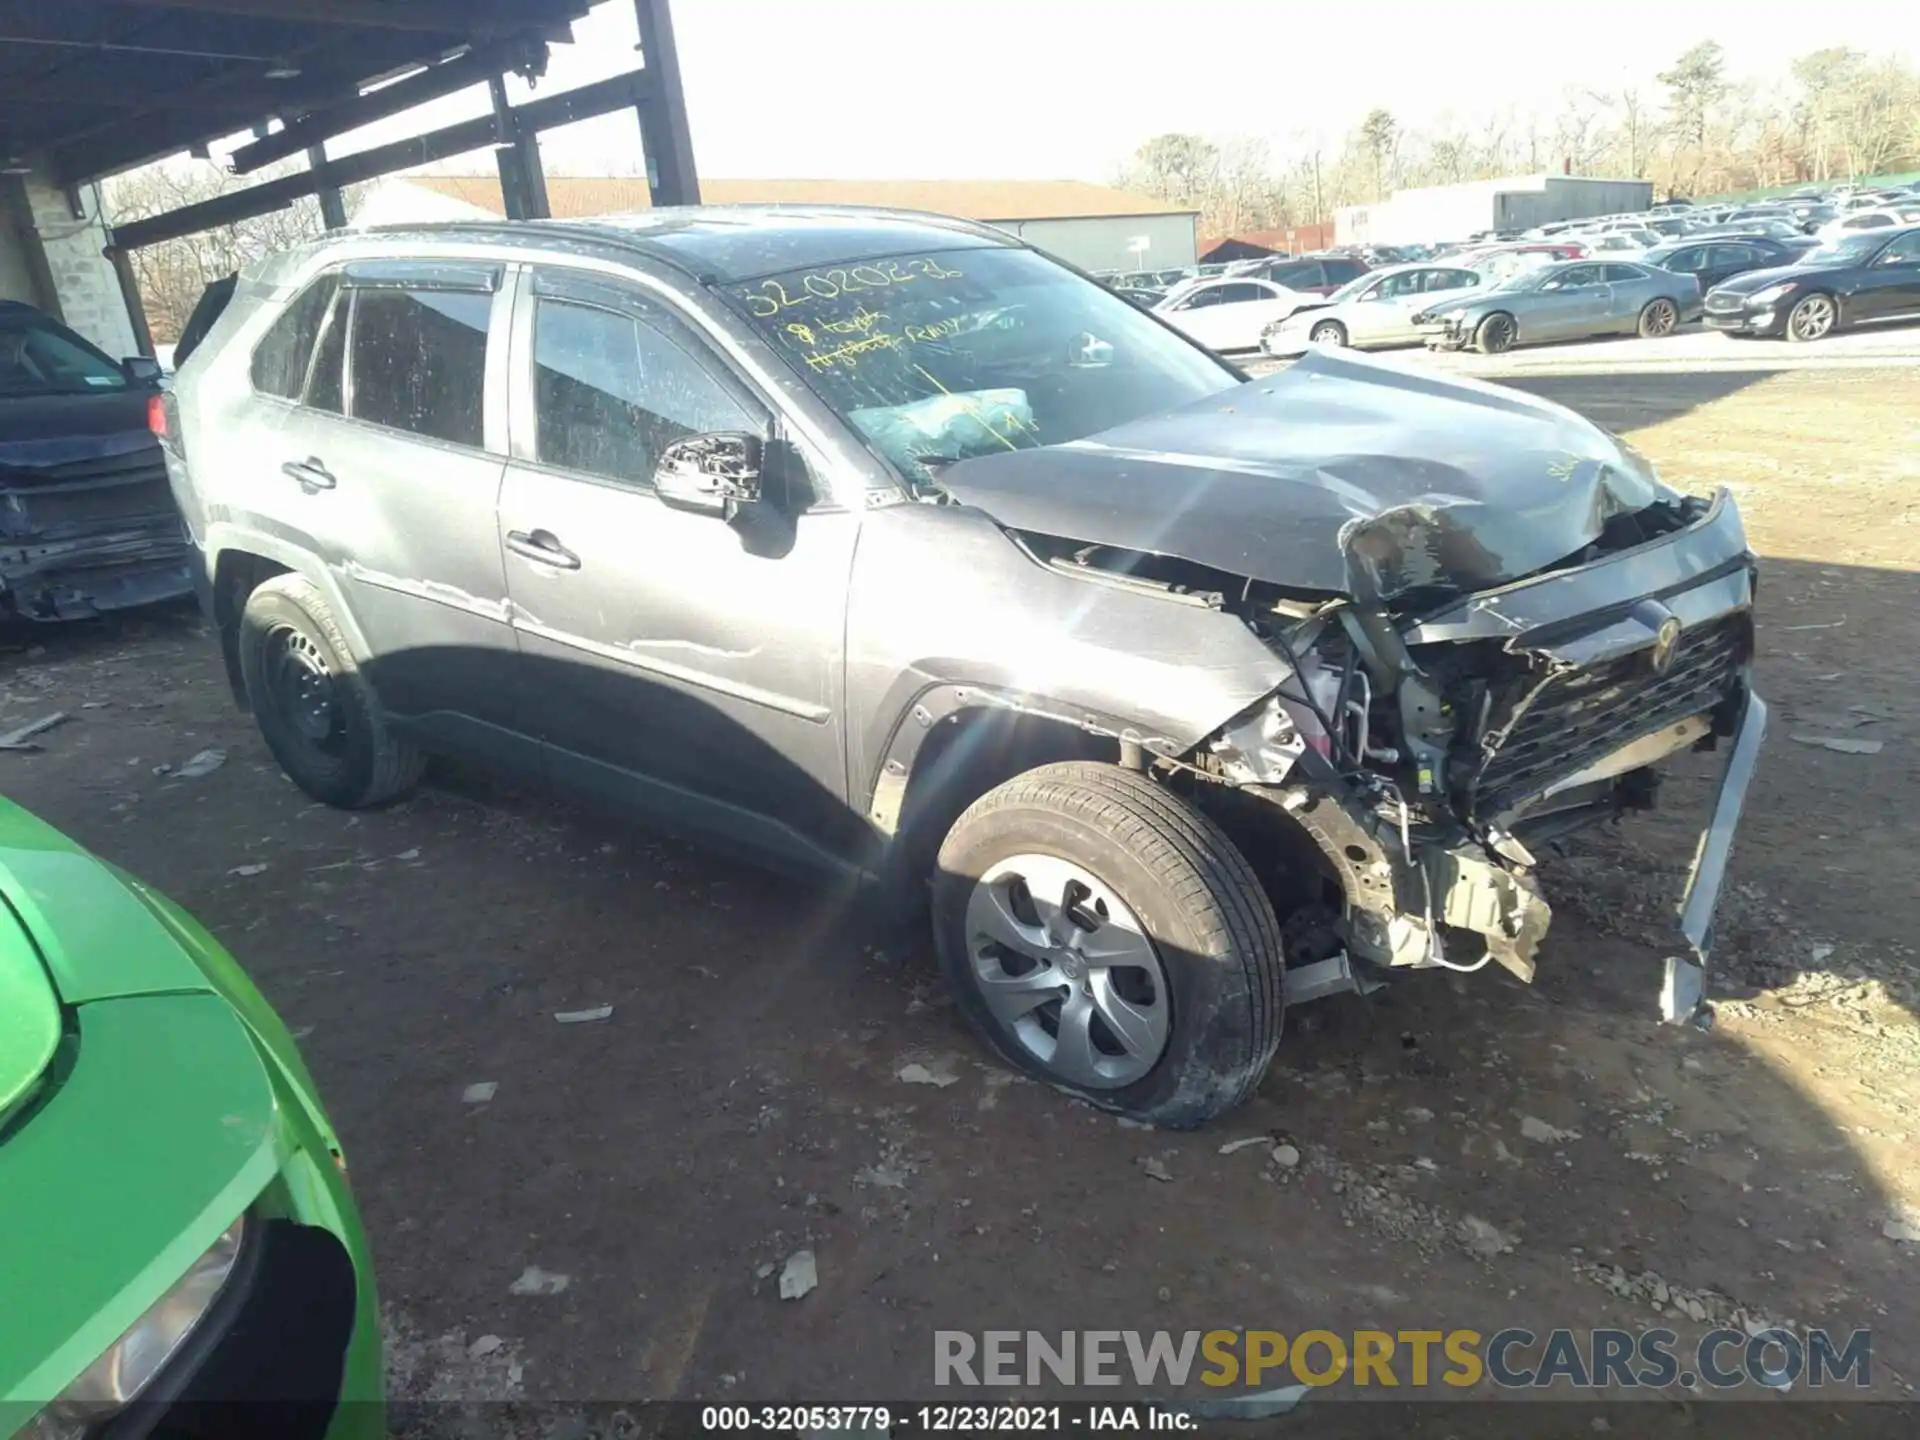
[{"x": 1665, "y": 640}]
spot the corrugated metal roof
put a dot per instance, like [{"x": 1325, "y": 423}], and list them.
[{"x": 574, "y": 197}]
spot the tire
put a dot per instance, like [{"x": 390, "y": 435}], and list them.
[
  {"x": 1659, "y": 316},
  {"x": 1813, "y": 317},
  {"x": 337, "y": 749},
  {"x": 1328, "y": 332},
  {"x": 1167, "y": 888},
  {"x": 1495, "y": 334}
]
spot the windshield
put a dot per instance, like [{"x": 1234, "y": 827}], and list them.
[
  {"x": 1848, "y": 250},
  {"x": 939, "y": 357},
  {"x": 38, "y": 359},
  {"x": 1352, "y": 288},
  {"x": 1520, "y": 270}
]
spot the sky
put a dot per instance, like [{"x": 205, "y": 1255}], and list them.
[{"x": 938, "y": 89}]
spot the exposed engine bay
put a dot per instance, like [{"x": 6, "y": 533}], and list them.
[{"x": 1430, "y": 748}]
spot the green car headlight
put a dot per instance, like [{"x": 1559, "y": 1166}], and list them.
[{"x": 130, "y": 1363}]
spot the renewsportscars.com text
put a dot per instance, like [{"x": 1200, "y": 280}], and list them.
[{"x": 1512, "y": 1359}]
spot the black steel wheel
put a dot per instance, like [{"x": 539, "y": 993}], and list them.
[{"x": 315, "y": 709}]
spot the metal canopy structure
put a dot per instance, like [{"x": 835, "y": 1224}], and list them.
[{"x": 92, "y": 87}]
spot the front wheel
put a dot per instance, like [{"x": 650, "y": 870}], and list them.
[
  {"x": 1496, "y": 334},
  {"x": 1329, "y": 332},
  {"x": 1108, "y": 938},
  {"x": 1813, "y": 318},
  {"x": 1659, "y": 317}
]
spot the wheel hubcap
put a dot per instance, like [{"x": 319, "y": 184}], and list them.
[
  {"x": 303, "y": 690},
  {"x": 1662, "y": 319},
  {"x": 1067, "y": 970},
  {"x": 1327, "y": 335},
  {"x": 1814, "y": 316}
]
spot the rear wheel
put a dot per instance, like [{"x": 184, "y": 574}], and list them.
[
  {"x": 315, "y": 709},
  {"x": 1496, "y": 334},
  {"x": 1659, "y": 317},
  {"x": 1108, "y": 938},
  {"x": 1328, "y": 332},
  {"x": 1813, "y": 318}
]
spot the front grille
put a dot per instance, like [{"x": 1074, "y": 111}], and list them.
[
  {"x": 1559, "y": 726},
  {"x": 1717, "y": 301}
]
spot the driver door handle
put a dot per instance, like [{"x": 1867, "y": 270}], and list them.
[
  {"x": 542, "y": 547},
  {"x": 309, "y": 472}
]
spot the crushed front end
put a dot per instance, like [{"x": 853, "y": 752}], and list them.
[
  {"x": 87, "y": 526},
  {"x": 1429, "y": 752}
]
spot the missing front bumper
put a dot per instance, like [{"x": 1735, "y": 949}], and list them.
[{"x": 1402, "y": 909}]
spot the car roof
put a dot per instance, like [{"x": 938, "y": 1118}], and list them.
[{"x": 723, "y": 244}]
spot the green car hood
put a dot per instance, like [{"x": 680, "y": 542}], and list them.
[
  {"x": 98, "y": 938},
  {"x": 160, "y": 1129},
  {"x": 29, "y": 1014},
  {"x": 148, "y": 1076}
]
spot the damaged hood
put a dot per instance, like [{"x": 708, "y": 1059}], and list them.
[{"x": 1338, "y": 474}]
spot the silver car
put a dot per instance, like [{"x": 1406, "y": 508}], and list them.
[
  {"x": 1569, "y": 301},
  {"x": 1372, "y": 312}
]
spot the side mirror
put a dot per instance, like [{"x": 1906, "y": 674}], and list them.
[
  {"x": 713, "y": 474},
  {"x": 142, "y": 369}
]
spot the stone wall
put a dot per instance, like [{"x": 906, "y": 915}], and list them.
[{"x": 84, "y": 282}]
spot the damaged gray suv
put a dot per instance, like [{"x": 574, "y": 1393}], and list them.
[{"x": 882, "y": 547}]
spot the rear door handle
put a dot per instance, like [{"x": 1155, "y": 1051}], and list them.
[
  {"x": 309, "y": 472},
  {"x": 542, "y": 547}
]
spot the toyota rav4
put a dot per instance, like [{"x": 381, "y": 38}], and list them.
[{"x": 884, "y": 547}]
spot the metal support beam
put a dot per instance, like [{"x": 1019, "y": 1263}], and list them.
[
  {"x": 122, "y": 263},
  {"x": 333, "y": 205},
  {"x": 664, "y": 136},
  {"x": 451, "y": 17},
  {"x": 526, "y": 56},
  {"x": 600, "y": 98},
  {"x": 523, "y": 185}
]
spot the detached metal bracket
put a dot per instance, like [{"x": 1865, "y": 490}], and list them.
[
  {"x": 1682, "y": 992},
  {"x": 1322, "y": 978}
]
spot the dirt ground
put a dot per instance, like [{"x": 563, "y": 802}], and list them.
[{"x": 1465, "y": 1151}]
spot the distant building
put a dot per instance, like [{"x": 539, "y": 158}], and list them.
[
  {"x": 1514, "y": 202},
  {"x": 1252, "y": 244},
  {"x": 1093, "y": 226}
]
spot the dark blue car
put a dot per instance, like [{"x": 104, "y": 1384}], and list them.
[{"x": 87, "y": 522}]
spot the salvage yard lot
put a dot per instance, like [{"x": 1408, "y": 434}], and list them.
[{"x": 1465, "y": 1151}]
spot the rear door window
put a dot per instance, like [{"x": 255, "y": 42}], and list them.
[
  {"x": 280, "y": 359},
  {"x": 1339, "y": 272},
  {"x": 1300, "y": 276},
  {"x": 419, "y": 361},
  {"x": 1623, "y": 274}
]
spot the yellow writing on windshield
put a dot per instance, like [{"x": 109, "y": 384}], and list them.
[{"x": 770, "y": 297}]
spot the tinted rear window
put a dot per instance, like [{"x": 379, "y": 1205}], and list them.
[
  {"x": 280, "y": 359},
  {"x": 420, "y": 361}
]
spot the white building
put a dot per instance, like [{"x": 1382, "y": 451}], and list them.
[
  {"x": 1093, "y": 226},
  {"x": 1439, "y": 213}
]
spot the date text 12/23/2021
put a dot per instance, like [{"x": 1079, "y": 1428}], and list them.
[{"x": 943, "y": 1419}]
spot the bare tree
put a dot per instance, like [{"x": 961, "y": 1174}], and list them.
[
  {"x": 1378, "y": 132},
  {"x": 172, "y": 273},
  {"x": 1695, "y": 84}
]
